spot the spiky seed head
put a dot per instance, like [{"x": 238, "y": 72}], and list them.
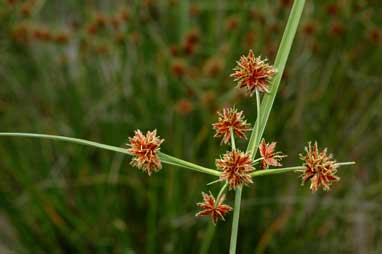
[
  {"x": 270, "y": 157},
  {"x": 144, "y": 149},
  {"x": 213, "y": 207},
  {"x": 236, "y": 166},
  {"x": 230, "y": 118},
  {"x": 253, "y": 73},
  {"x": 320, "y": 168}
]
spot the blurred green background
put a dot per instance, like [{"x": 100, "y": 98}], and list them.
[{"x": 99, "y": 70}]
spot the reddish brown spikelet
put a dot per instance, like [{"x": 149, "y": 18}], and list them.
[
  {"x": 189, "y": 48},
  {"x": 192, "y": 36},
  {"x": 270, "y": 157},
  {"x": 337, "y": 28},
  {"x": 190, "y": 41},
  {"x": 375, "y": 35},
  {"x": 236, "y": 167},
  {"x": 184, "y": 107},
  {"x": 212, "y": 207},
  {"x": 213, "y": 66},
  {"x": 42, "y": 33},
  {"x": 208, "y": 98},
  {"x": 258, "y": 16},
  {"x": 11, "y": 2},
  {"x": 178, "y": 67},
  {"x": 21, "y": 33},
  {"x": 26, "y": 8},
  {"x": 144, "y": 149},
  {"x": 286, "y": 3},
  {"x": 100, "y": 20},
  {"x": 320, "y": 168},
  {"x": 253, "y": 73},
  {"x": 194, "y": 9},
  {"x": 135, "y": 38},
  {"x": 62, "y": 38},
  {"x": 115, "y": 22},
  {"x": 310, "y": 28},
  {"x": 230, "y": 118},
  {"x": 124, "y": 14},
  {"x": 120, "y": 37},
  {"x": 232, "y": 23},
  {"x": 92, "y": 28},
  {"x": 332, "y": 9},
  {"x": 102, "y": 49},
  {"x": 174, "y": 49}
]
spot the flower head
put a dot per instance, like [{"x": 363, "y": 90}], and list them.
[
  {"x": 270, "y": 157},
  {"x": 229, "y": 118},
  {"x": 212, "y": 207},
  {"x": 320, "y": 168},
  {"x": 253, "y": 73},
  {"x": 236, "y": 167},
  {"x": 144, "y": 149}
]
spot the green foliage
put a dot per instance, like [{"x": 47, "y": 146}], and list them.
[{"x": 64, "y": 198}]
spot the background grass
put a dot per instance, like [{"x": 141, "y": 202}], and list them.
[{"x": 100, "y": 69}]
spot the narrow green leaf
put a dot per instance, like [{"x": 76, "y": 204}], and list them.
[
  {"x": 67, "y": 139},
  {"x": 167, "y": 159},
  {"x": 280, "y": 62}
]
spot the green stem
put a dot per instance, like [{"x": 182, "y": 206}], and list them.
[
  {"x": 221, "y": 191},
  {"x": 235, "y": 220},
  {"x": 257, "y": 129},
  {"x": 345, "y": 163},
  {"x": 236, "y": 211},
  {"x": 272, "y": 171},
  {"x": 232, "y": 139},
  {"x": 167, "y": 159},
  {"x": 275, "y": 171},
  {"x": 213, "y": 182},
  {"x": 207, "y": 238},
  {"x": 258, "y": 159}
]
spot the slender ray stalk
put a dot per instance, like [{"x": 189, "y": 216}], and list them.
[
  {"x": 236, "y": 211},
  {"x": 235, "y": 220},
  {"x": 232, "y": 140},
  {"x": 167, "y": 159},
  {"x": 257, "y": 160},
  {"x": 272, "y": 171},
  {"x": 221, "y": 191},
  {"x": 275, "y": 171}
]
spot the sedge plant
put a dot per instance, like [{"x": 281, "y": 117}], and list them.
[{"x": 236, "y": 168}]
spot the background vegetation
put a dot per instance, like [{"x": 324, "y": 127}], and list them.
[{"x": 100, "y": 69}]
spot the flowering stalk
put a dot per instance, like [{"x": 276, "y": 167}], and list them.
[{"x": 266, "y": 105}]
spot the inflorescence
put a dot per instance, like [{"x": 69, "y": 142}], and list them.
[
  {"x": 235, "y": 166},
  {"x": 144, "y": 149}
]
